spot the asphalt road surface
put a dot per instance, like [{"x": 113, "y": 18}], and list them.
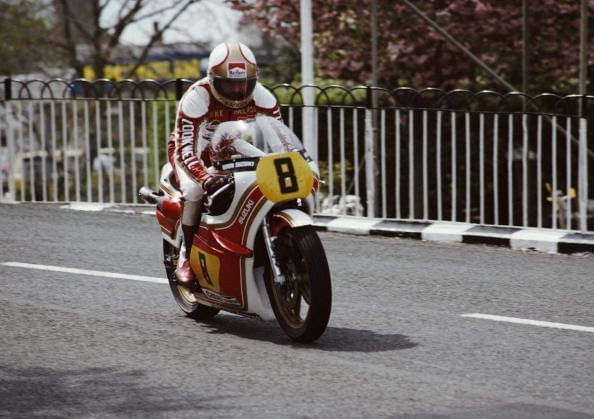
[{"x": 74, "y": 344}]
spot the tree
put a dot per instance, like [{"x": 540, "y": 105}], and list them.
[
  {"x": 103, "y": 38},
  {"x": 38, "y": 34},
  {"x": 413, "y": 54},
  {"x": 21, "y": 23}
]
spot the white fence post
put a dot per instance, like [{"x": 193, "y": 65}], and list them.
[
  {"x": 11, "y": 154},
  {"x": 307, "y": 74},
  {"x": 370, "y": 163},
  {"x": 583, "y": 175}
]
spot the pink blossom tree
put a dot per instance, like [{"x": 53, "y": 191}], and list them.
[{"x": 411, "y": 53}]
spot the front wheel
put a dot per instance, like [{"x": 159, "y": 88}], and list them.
[
  {"x": 184, "y": 298},
  {"x": 303, "y": 302}
]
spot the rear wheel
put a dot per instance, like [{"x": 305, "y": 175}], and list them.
[
  {"x": 303, "y": 302},
  {"x": 185, "y": 299}
]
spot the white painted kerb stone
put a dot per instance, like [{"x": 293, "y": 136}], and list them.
[
  {"x": 445, "y": 232},
  {"x": 543, "y": 241},
  {"x": 87, "y": 206},
  {"x": 351, "y": 225}
]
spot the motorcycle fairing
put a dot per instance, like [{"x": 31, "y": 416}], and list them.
[
  {"x": 223, "y": 249},
  {"x": 232, "y": 246},
  {"x": 210, "y": 268},
  {"x": 237, "y": 228}
]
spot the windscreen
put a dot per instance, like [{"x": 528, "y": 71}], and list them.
[
  {"x": 274, "y": 136},
  {"x": 254, "y": 138}
]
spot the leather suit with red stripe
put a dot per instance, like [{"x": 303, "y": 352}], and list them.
[{"x": 198, "y": 115}]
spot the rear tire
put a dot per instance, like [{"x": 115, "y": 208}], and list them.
[
  {"x": 302, "y": 304},
  {"x": 184, "y": 298}
]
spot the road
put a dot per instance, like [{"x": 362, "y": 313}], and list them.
[{"x": 77, "y": 345}]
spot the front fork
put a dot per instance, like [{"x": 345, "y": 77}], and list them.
[{"x": 278, "y": 276}]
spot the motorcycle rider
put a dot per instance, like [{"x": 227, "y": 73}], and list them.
[{"x": 229, "y": 92}]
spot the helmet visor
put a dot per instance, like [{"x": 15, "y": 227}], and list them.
[{"x": 234, "y": 89}]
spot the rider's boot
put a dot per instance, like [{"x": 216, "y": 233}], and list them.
[{"x": 184, "y": 273}]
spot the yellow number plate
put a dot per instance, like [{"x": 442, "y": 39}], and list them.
[
  {"x": 207, "y": 268},
  {"x": 285, "y": 176}
]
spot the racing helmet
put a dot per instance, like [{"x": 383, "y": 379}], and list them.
[{"x": 232, "y": 74}]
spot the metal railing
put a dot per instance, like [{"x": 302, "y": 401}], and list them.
[{"x": 484, "y": 158}]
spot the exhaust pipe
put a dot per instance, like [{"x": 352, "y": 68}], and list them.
[
  {"x": 149, "y": 196},
  {"x": 165, "y": 203}
]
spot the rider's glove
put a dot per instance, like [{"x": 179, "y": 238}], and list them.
[{"x": 214, "y": 183}]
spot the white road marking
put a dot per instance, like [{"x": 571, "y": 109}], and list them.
[
  {"x": 86, "y": 272},
  {"x": 529, "y": 322}
]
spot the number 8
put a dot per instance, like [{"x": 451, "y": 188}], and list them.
[{"x": 286, "y": 175}]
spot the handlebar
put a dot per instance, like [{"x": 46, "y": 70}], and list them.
[{"x": 230, "y": 183}]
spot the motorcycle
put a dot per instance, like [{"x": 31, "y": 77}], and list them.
[{"x": 256, "y": 252}]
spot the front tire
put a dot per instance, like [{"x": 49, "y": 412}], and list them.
[
  {"x": 302, "y": 304},
  {"x": 184, "y": 298}
]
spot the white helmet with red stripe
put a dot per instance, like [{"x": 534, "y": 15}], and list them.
[{"x": 232, "y": 74}]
